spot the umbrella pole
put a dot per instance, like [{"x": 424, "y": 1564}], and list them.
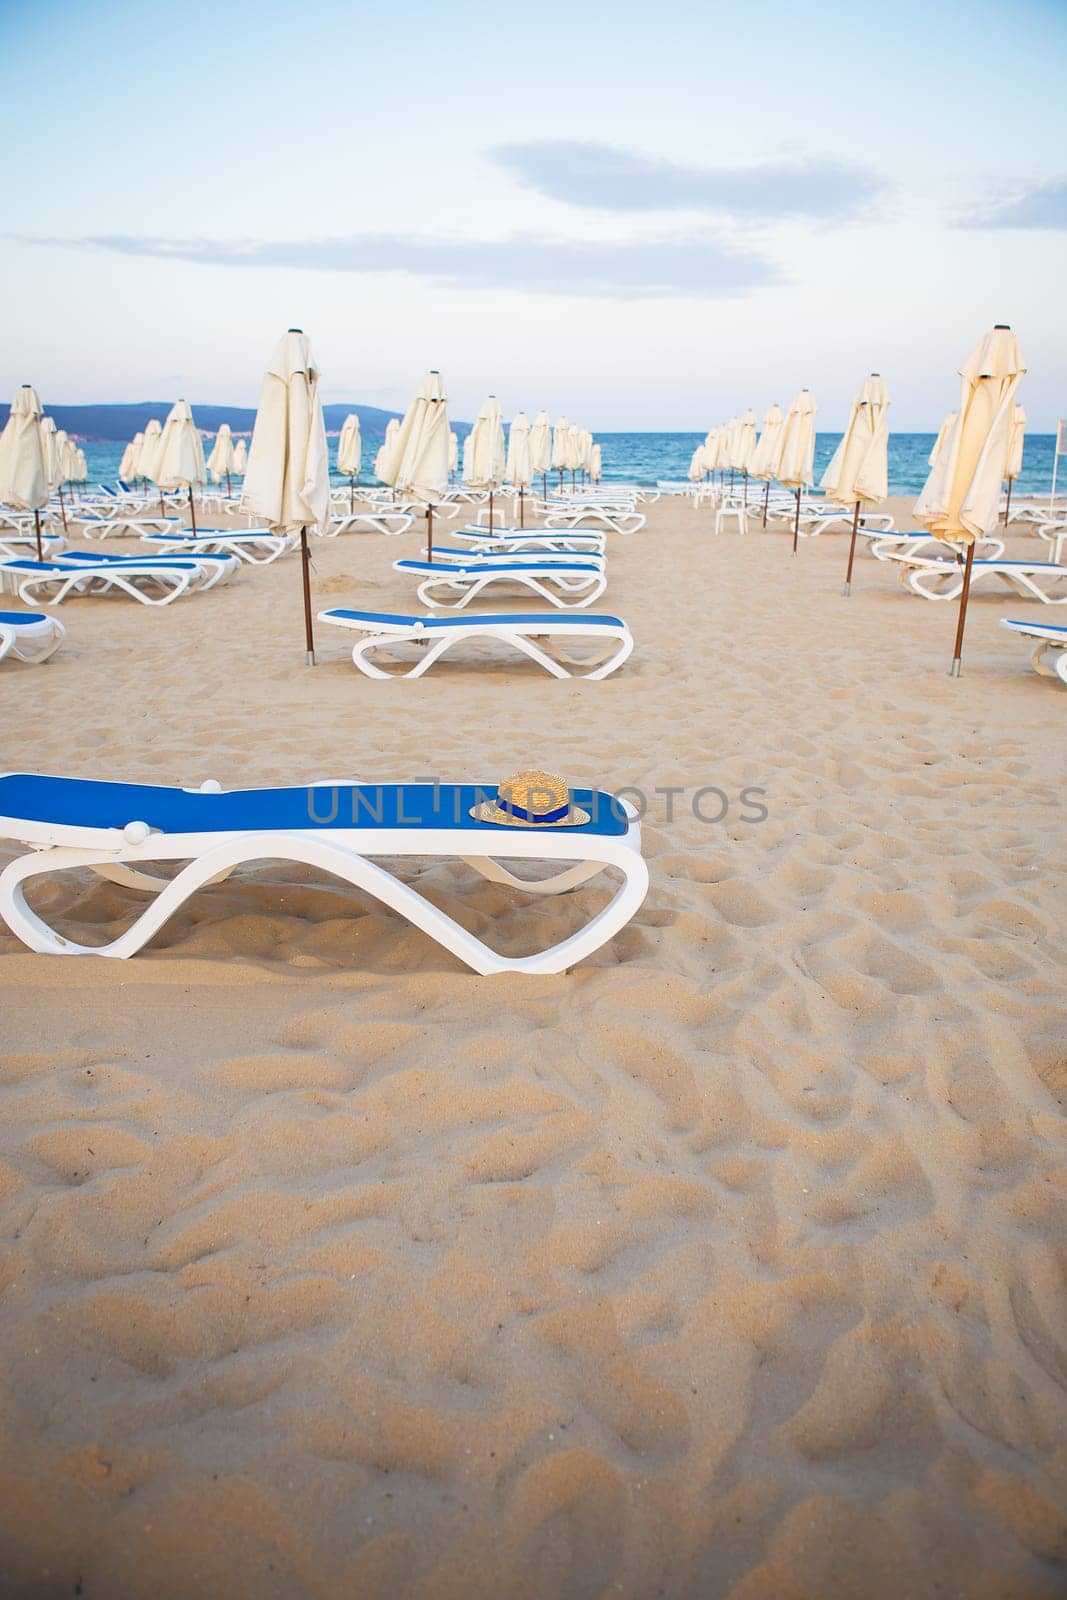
[
  {"x": 37, "y": 530},
  {"x": 522, "y": 507},
  {"x": 957, "y": 654},
  {"x": 351, "y": 495},
  {"x": 852, "y": 549},
  {"x": 766, "y": 501},
  {"x": 63, "y": 509},
  {"x": 429, "y": 533},
  {"x": 305, "y": 562},
  {"x": 229, "y": 486},
  {"x": 490, "y": 511},
  {"x": 162, "y": 507},
  {"x": 1007, "y": 508},
  {"x": 746, "y": 495},
  {"x": 796, "y": 524},
  {"x": 192, "y": 508}
]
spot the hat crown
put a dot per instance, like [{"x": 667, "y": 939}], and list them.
[{"x": 534, "y": 795}]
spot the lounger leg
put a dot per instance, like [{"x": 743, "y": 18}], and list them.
[
  {"x": 559, "y": 883},
  {"x": 329, "y": 857}
]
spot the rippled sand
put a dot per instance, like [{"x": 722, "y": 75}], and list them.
[{"x": 727, "y": 1265}]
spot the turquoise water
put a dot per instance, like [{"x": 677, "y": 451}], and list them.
[{"x": 644, "y": 457}]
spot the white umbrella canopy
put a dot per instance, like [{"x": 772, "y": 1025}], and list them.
[
  {"x": 559, "y": 446},
  {"x": 81, "y": 471},
  {"x": 48, "y": 429},
  {"x": 485, "y": 462},
  {"x": 587, "y": 448},
  {"x": 417, "y": 457},
  {"x": 130, "y": 457},
  {"x": 960, "y": 501},
  {"x": 796, "y": 447},
  {"x": 23, "y": 472},
  {"x": 541, "y": 447},
  {"x": 288, "y": 478},
  {"x": 698, "y": 464},
  {"x": 858, "y": 472},
  {"x": 392, "y": 428},
  {"x": 727, "y": 441},
  {"x": 796, "y": 452},
  {"x": 220, "y": 461},
  {"x": 180, "y": 461},
  {"x": 744, "y": 441},
  {"x": 596, "y": 463},
  {"x": 240, "y": 459},
  {"x": 764, "y": 457},
  {"x": 146, "y": 461},
  {"x": 519, "y": 468},
  {"x": 453, "y": 453},
  {"x": 416, "y": 462},
  {"x": 350, "y": 447},
  {"x": 573, "y": 448}
]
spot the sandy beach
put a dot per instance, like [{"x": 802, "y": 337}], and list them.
[{"x": 728, "y": 1264}]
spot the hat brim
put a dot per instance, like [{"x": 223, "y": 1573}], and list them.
[{"x": 489, "y": 811}]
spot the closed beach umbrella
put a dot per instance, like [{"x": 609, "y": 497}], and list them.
[
  {"x": 288, "y": 478},
  {"x": 130, "y": 458},
  {"x": 559, "y": 447},
  {"x": 573, "y": 446},
  {"x": 180, "y": 462},
  {"x": 64, "y": 461},
  {"x": 485, "y": 462},
  {"x": 417, "y": 461},
  {"x": 796, "y": 451},
  {"x": 596, "y": 464},
  {"x": 764, "y": 457},
  {"x": 946, "y": 428},
  {"x": 453, "y": 454},
  {"x": 350, "y": 455},
  {"x": 744, "y": 444},
  {"x": 220, "y": 461},
  {"x": 541, "y": 447},
  {"x": 146, "y": 461},
  {"x": 961, "y": 498},
  {"x": 697, "y": 464},
  {"x": 858, "y": 473},
  {"x": 1015, "y": 455},
  {"x": 82, "y": 471},
  {"x": 392, "y": 428},
  {"x": 48, "y": 449},
  {"x": 240, "y": 459},
  {"x": 23, "y": 472},
  {"x": 519, "y": 471}
]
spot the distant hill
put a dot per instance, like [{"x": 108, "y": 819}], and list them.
[{"x": 121, "y": 422}]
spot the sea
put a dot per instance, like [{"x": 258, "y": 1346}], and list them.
[{"x": 645, "y": 458}]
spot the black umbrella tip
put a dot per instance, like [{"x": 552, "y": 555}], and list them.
[
  {"x": 294, "y": 330},
  {"x": 1002, "y": 327}
]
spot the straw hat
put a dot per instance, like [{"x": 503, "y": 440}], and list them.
[{"x": 531, "y": 800}]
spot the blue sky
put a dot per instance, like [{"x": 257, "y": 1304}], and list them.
[{"x": 645, "y": 216}]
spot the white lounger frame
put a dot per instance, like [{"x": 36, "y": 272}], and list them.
[
  {"x": 169, "y": 579},
  {"x": 943, "y": 580},
  {"x": 391, "y": 523},
  {"x": 343, "y": 852},
  {"x": 455, "y": 587},
  {"x": 32, "y": 640},
  {"x": 544, "y": 641},
  {"x": 258, "y": 546},
  {"x": 1049, "y": 654}
]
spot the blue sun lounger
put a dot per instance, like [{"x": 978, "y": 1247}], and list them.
[
  {"x": 1049, "y": 654},
  {"x": 568, "y": 584},
  {"x": 118, "y": 830},
  {"x": 549, "y": 638}
]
